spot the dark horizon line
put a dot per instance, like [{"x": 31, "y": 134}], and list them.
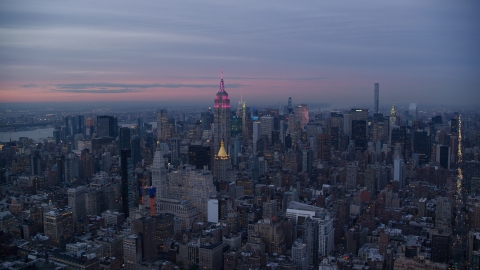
[{"x": 185, "y": 105}]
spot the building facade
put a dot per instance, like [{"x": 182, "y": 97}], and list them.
[{"x": 221, "y": 118}]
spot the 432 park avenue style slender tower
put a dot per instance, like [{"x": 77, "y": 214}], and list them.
[{"x": 221, "y": 118}]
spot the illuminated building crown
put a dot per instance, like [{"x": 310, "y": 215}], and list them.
[{"x": 222, "y": 154}]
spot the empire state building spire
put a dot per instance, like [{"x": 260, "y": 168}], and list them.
[
  {"x": 222, "y": 86},
  {"x": 221, "y": 117}
]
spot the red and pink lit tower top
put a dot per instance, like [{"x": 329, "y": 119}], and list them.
[{"x": 221, "y": 118}]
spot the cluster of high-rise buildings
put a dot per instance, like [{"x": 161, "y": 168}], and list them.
[{"x": 246, "y": 188}]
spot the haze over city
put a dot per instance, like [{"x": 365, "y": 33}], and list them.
[
  {"x": 238, "y": 135},
  {"x": 171, "y": 53}
]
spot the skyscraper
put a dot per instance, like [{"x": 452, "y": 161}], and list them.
[
  {"x": 336, "y": 128},
  {"x": 310, "y": 238},
  {"x": 76, "y": 201},
  {"x": 140, "y": 126},
  {"x": 87, "y": 160},
  {"x": 282, "y": 131},
  {"x": 359, "y": 134},
  {"x": 393, "y": 118},
  {"x": 421, "y": 145},
  {"x": 412, "y": 114},
  {"x": 106, "y": 162},
  {"x": 377, "y": 90},
  {"x": 136, "y": 153},
  {"x": 124, "y": 140},
  {"x": 127, "y": 181},
  {"x": 443, "y": 156},
  {"x": 454, "y": 126},
  {"x": 107, "y": 126},
  {"x": 440, "y": 246},
  {"x": 347, "y": 124},
  {"x": 351, "y": 175},
  {"x": 267, "y": 126},
  {"x": 164, "y": 227},
  {"x": 221, "y": 118},
  {"x": 58, "y": 226},
  {"x": 174, "y": 150},
  {"x": 398, "y": 171},
  {"x": 72, "y": 167},
  {"x": 237, "y": 149},
  {"x": 324, "y": 146},
  {"x": 301, "y": 115},
  {"x": 255, "y": 135},
  {"x": 359, "y": 114},
  {"x": 162, "y": 125},
  {"x": 325, "y": 233},
  {"x": 74, "y": 124},
  {"x": 195, "y": 186},
  {"x": 236, "y": 122},
  {"x": 145, "y": 229},
  {"x": 291, "y": 126},
  {"x": 399, "y": 135},
  {"x": 443, "y": 209},
  {"x": 221, "y": 164},
  {"x": 244, "y": 112},
  {"x": 89, "y": 127},
  {"x": 159, "y": 175},
  {"x": 79, "y": 123},
  {"x": 299, "y": 254},
  {"x": 36, "y": 163},
  {"x": 132, "y": 251},
  {"x": 69, "y": 125},
  {"x": 206, "y": 120},
  {"x": 199, "y": 156}
]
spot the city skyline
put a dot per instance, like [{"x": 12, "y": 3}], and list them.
[
  {"x": 304, "y": 165},
  {"x": 330, "y": 54}
]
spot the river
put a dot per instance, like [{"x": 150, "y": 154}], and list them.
[
  {"x": 43, "y": 133},
  {"x": 36, "y": 134}
]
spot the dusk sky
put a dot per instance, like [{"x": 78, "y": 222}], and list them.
[{"x": 171, "y": 52}]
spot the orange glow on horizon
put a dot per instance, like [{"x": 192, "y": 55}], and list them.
[{"x": 268, "y": 90}]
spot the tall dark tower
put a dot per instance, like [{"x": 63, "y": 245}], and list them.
[
  {"x": 79, "y": 123},
  {"x": 124, "y": 140},
  {"x": 60, "y": 169},
  {"x": 377, "y": 90},
  {"x": 107, "y": 126},
  {"x": 135, "y": 146},
  {"x": 421, "y": 145},
  {"x": 221, "y": 118},
  {"x": 145, "y": 228},
  {"x": 359, "y": 134},
  {"x": 36, "y": 163},
  {"x": 127, "y": 178},
  {"x": 69, "y": 125}
]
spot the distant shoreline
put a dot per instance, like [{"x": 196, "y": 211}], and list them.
[{"x": 34, "y": 133}]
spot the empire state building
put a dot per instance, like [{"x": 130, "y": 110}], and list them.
[{"x": 221, "y": 118}]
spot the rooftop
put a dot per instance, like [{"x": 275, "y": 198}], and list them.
[{"x": 305, "y": 207}]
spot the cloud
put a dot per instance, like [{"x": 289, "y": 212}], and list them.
[
  {"x": 97, "y": 91},
  {"x": 105, "y": 85},
  {"x": 31, "y": 85},
  {"x": 120, "y": 88},
  {"x": 284, "y": 78},
  {"x": 326, "y": 49},
  {"x": 320, "y": 78}
]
